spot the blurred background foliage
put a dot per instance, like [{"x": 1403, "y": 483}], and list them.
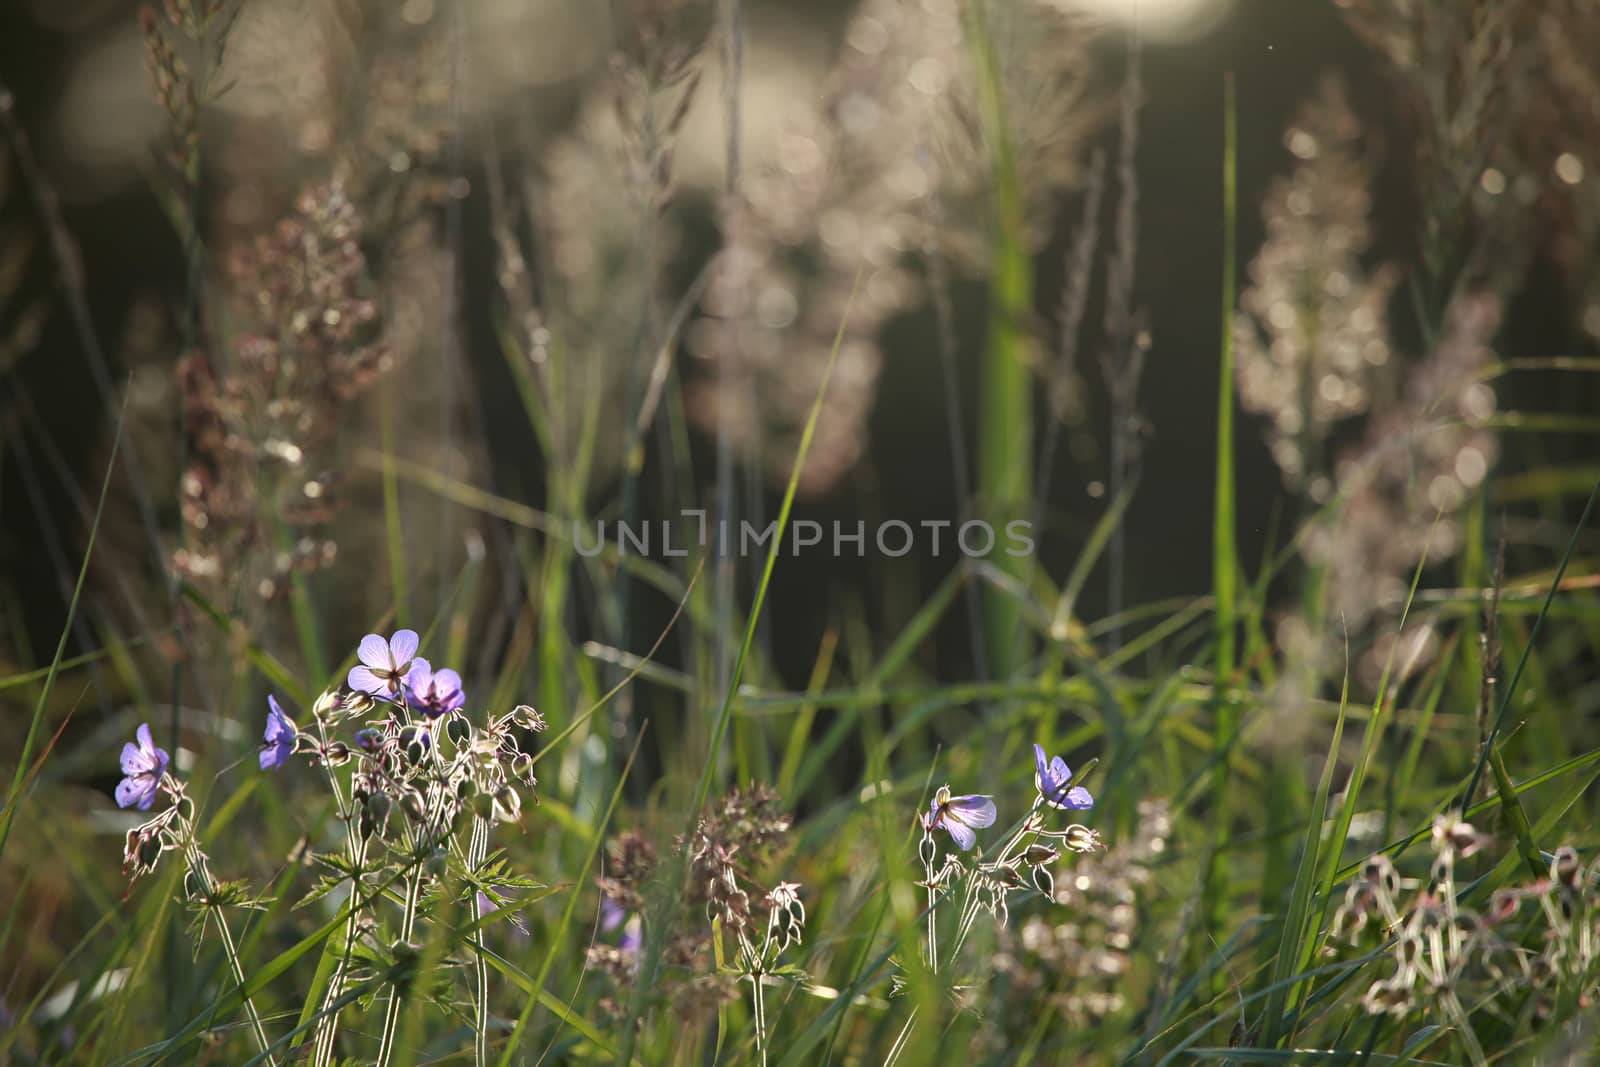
[{"x": 385, "y": 292}]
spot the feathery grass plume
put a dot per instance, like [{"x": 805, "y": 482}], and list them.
[
  {"x": 1568, "y": 38},
  {"x": 1312, "y": 340},
  {"x": 1401, "y": 491},
  {"x": 1469, "y": 79},
  {"x": 849, "y": 186},
  {"x": 603, "y": 205},
  {"x": 261, "y": 426}
]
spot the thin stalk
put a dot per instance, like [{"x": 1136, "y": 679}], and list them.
[
  {"x": 477, "y": 852},
  {"x": 1224, "y": 561},
  {"x": 391, "y": 1017},
  {"x": 197, "y": 868},
  {"x": 355, "y": 849}
]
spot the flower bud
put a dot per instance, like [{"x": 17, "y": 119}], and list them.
[
  {"x": 326, "y": 704},
  {"x": 358, "y": 703},
  {"x": 483, "y": 805},
  {"x": 149, "y": 851},
  {"x": 927, "y": 850},
  {"x": 1564, "y": 866},
  {"x": 527, "y": 718},
  {"x": 458, "y": 729},
  {"x": 417, "y": 743},
  {"x": 1044, "y": 881},
  {"x": 1082, "y": 839},
  {"x": 337, "y": 754},
  {"x": 368, "y": 739},
  {"x": 378, "y": 805},
  {"x": 437, "y": 862}
]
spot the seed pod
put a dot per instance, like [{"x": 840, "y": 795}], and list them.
[
  {"x": 1037, "y": 855},
  {"x": 522, "y": 767},
  {"x": 378, "y": 806}
]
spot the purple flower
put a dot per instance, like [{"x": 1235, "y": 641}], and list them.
[
  {"x": 384, "y": 664},
  {"x": 960, "y": 815},
  {"x": 612, "y": 914},
  {"x": 144, "y": 764},
  {"x": 1054, "y": 783},
  {"x": 278, "y": 740},
  {"x": 433, "y": 692}
]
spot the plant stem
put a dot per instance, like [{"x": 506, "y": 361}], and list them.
[
  {"x": 1005, "y": 414},
  {"x": 391, "y": 1017},
  {"x": 477, "y": 852},
  {"x": 202, "y": 875},
  {"x": 355, "y": 849}
]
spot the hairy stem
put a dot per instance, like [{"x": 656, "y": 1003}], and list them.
[
  {"x": 202, "y": 877},
  {"x": 477, "y": 852},
  {"x": 391, "y": 1016},
  {"x": 355, "y": 849}
]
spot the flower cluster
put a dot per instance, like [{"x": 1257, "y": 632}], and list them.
[
  {"x": 1024, "y": 858},
  {"x": 425, "y": 785},
  {"x": 1313, "y": 335}
]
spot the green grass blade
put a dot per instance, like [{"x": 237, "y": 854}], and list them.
[{"x": 18, "y": 778}]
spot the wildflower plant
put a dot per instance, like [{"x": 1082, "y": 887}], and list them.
[
  {"x": 1531, "y": 947},
  {"x": 418, "y": 785},
  {"x": 1022, "y": 861}
]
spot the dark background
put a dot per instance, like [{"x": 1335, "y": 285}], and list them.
[{"x": 1276, "y": 50}]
